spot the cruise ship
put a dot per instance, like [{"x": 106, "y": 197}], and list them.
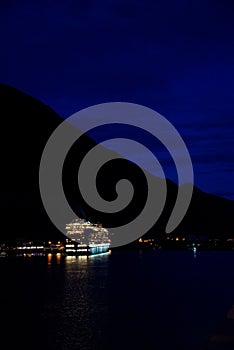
[{"x": 86, "y": 238}]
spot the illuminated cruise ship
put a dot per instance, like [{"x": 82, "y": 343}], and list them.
[{"x": 86, "y": 238}]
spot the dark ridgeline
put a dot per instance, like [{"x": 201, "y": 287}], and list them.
[{"x": 26, "y": 125}]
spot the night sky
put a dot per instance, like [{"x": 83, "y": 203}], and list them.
[{"x": 176, "y": 57}]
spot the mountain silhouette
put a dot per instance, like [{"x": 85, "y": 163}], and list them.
[{"x": 26, "y": 125}]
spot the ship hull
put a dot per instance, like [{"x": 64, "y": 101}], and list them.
[{"x": 88, "y": 250}]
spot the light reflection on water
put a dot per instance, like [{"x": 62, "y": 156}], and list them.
[
  {"x": 84, "y": 308},
  {"x": 123, "y": 300},
  {"x": 57, "y": 258}
]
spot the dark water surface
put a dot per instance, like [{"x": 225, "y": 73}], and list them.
[{"x": 123, "y": 300}]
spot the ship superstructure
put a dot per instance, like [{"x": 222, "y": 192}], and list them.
[{"x": 86, "y": 237}]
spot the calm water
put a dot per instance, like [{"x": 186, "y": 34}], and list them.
[{"x": 128, "y": 300}]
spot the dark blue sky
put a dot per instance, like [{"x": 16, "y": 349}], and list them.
[{"x": 176, "y": 57}]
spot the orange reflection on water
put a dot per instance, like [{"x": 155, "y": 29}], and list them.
[
  {"x": 58, "y": 256},
  {"x": 49, "y": 257}
]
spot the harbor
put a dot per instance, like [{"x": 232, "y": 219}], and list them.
[{"x": 82, "y": 238}]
